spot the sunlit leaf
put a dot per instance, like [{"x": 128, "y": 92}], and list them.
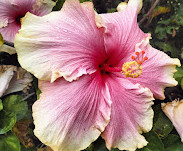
[
  {"x": 9, "y": 143},
  {"x": 160, "y": 10},
  {"x": 1, "y": 105},
  {"x": 179, "y": 76},
  {"x": 1, "y": 40}
]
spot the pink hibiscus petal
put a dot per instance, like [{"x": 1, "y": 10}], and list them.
[
  {"x": 70, "y": 115},
  {"x": 122, "y": 32},
  {"x": 11, "y": 12},
  {"x": 174, "y": 111},
  {"x": 65, "y": 43},
  {"x": 131, "y": 114},
  {"x": 10, "y": 31},
  {"x": 157, "y": 71}
]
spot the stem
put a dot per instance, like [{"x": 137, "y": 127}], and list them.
[{"x": 149, "y": 13}]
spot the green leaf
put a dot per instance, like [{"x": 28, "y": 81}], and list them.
[
  {"x": 170, "y": 140},
  {"x": 160, "y": 31},
  {"x": 7, "y": 121},
  {"x": 9, "y": 143},
  {"x": 168, "y": 46},
  {"x": 98, "y": 145},
  {"x": 1, "y": 105},
  {"x": 111, "y": 10},
  {"x": 162, "y": 125},
  {"x": 155, "y": 143},
  {"x": 175, "y": 147},
  {"x": 179, "y": 76},
  {"x": 181, "y": 83},
  {"x": 81, "y": 1},
  {"x": 38, "y": 92},
  {"x": 15, "y": 104},
  {"x": 182, "y": 54},
  {"x": 58, "y": 5}
]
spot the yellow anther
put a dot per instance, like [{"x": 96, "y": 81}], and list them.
[{"x": 132, "y": 69}]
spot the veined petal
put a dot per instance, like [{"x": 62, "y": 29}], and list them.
[
  {"x": 10, "y": 31},
  {"x": 10, "y": 12},
  {"x": 122, "y": 32},
  {"x": 70, "y": 115},
  {"x": 6, "y": 75},
  {"x": 174, "y": 111},
  {"x": 131, "y": 115},
  {"x": 157, "y": 71},
  {"x": 65, "y": 43}
]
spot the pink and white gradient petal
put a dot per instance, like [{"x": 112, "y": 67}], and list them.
[
  {"x": 65, "y": 43},
  {"x": 174, "y": 111},
  {"x": 122, "y": 32},
  {"x": 69, "y": 116},
  {"x": 157, "y": 71},
  {"x": 10, "y": 31},
  {"x": 10, "y": 12},
  {"x": 131, "y": 114}
]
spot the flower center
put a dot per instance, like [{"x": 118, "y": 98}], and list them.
[
  {"x": 19, "y": 19},
  {"x": 133, "y": 68},
  {"x": 106, "y": 68}
]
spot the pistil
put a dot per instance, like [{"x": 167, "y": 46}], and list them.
[
  {"x": 108, "y": 68},
  {"x": 133, "y": 68}
]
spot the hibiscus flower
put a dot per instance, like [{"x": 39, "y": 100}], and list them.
[
  {"x": 13, "y": 11},
  {"x": 97, "y": 73}
]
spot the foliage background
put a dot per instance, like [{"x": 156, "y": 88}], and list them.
[{"x": 165, "y": 22}]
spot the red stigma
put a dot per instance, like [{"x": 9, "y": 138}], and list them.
[
  {"x": 143, "y": 52},
  {"x": 146, "y": 58},
  {"x": 133, "y": 57},
  {"x": 140, "y": 62},
  {"x": 137, "y": 53}
]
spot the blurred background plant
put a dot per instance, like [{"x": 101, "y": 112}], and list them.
[{"x": 164, "y": 20}]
